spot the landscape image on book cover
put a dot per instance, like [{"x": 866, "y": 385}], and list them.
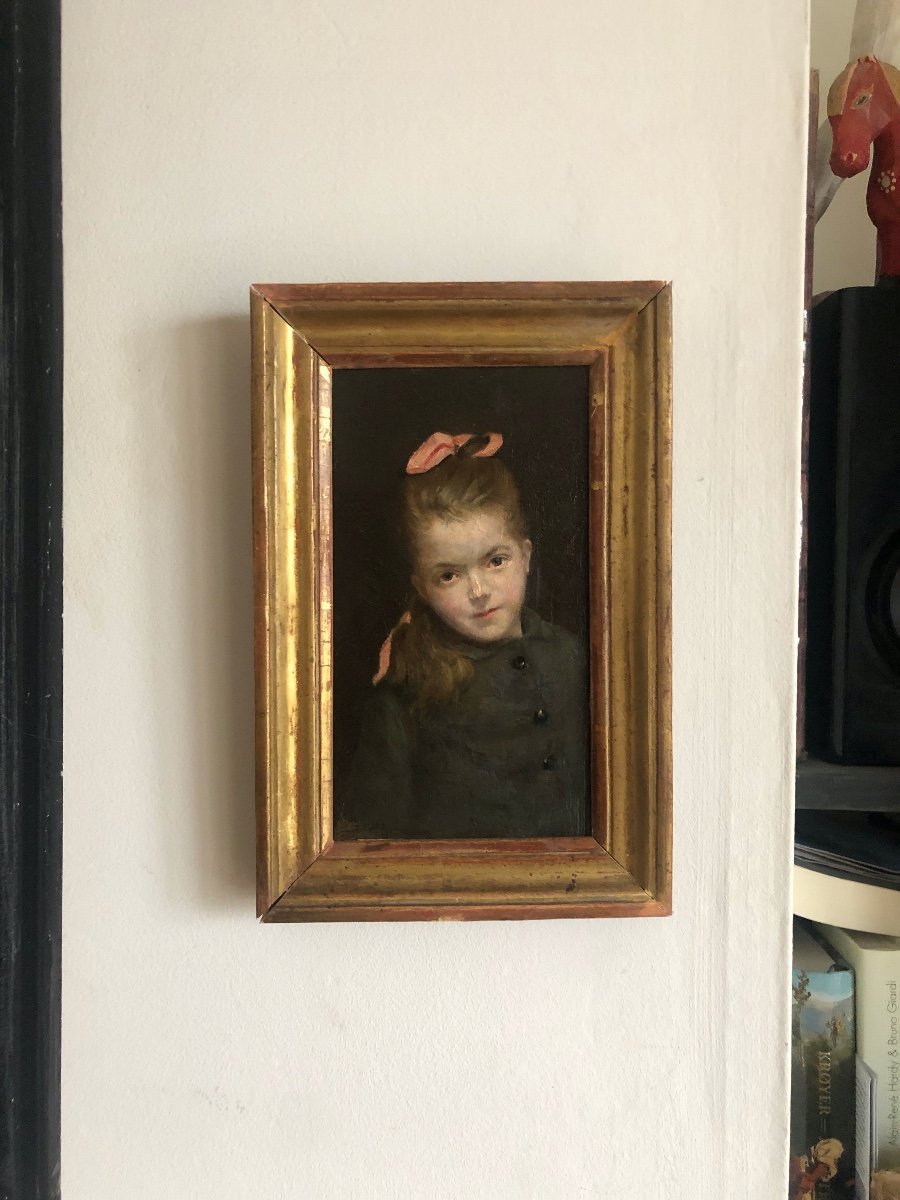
[{"x": 823, "y": 1070}]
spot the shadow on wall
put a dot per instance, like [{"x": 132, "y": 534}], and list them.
[{"x": 199, "y": 582}]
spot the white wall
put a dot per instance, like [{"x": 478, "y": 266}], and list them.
[{"x": 209, "y": 145}]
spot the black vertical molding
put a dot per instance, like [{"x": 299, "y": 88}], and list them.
[{"x": 30, "y": 598}]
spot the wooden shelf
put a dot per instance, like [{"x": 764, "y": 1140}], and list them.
[
  {"x": 827, "y": 898},
  {"x": 859, "y": 789},
  {"x": 845, "y": 902}
]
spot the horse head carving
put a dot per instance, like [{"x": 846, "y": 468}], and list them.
[{"x": 862, "y": 102}]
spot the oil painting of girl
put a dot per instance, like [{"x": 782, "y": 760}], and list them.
[{"x": 476, "y": 721}]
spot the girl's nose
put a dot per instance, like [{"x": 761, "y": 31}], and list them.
[{"x": 476, "y": 586}]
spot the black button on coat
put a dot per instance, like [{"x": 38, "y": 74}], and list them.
[{"x": 478, "y": 767}]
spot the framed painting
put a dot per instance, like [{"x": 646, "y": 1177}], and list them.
[{"x": 462, "y": 559}]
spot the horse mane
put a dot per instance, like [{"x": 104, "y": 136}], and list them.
[
  {"x": 837, "y": 93},
  {"x": 892, "y": 78}
]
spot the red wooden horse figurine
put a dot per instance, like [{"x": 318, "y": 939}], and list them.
[{"x": 864, "y": 109}]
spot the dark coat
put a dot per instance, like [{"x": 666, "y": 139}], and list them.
[{"x": 508, "y": 758}]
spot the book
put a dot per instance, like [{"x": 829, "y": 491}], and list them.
[
  {"x": 875, "y": 959},
  {"x": 866, "y": 1147},
  {"x": 823, "y": 1072}
]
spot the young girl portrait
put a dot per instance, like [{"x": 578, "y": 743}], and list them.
[
  {"x": 477, "y": 721},
  {"x": 461, "y": 695}
]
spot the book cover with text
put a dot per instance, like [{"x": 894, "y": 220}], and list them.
[
  {"x": 823, "y": 1073},
  {"x": 875, "y": 959}
]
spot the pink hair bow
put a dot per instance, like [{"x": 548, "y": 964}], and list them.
[{"x": 441, "y": 445}]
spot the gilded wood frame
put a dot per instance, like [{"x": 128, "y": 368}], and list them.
[{"x": 622, "y": 331}]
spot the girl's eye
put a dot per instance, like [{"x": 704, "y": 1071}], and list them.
[
  {"x": 447, "y": 577},
  {"x": 498, "y": 560}
]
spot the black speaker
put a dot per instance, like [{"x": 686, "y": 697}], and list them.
[{"x": 853, "y": 569}]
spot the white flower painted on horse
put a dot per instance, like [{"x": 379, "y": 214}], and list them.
[{"x": 887, "y": 181}]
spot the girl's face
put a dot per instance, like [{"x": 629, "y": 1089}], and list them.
[{"x": 472, "y": 572}]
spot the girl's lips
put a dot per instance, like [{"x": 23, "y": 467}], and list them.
[{"x": 488, "y": 612}]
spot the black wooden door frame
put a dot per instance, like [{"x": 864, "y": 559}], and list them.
[{"x": 30, "y": 598}]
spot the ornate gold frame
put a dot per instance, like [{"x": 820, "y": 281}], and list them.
[{"x": 622, "y": 331}]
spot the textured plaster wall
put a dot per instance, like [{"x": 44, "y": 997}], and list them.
[{"x": 208, "y": 145}]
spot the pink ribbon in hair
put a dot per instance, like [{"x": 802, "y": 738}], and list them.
[
  {"x": 384, "y": 654},
  {"x": 441, "y": 445}
]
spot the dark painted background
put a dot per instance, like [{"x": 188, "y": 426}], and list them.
[{"x": 379, "y": 418}]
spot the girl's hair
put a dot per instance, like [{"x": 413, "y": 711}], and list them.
[{"x": 426, "y": 657}]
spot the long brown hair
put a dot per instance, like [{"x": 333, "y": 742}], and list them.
[{"x": 427, "y": 658}]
